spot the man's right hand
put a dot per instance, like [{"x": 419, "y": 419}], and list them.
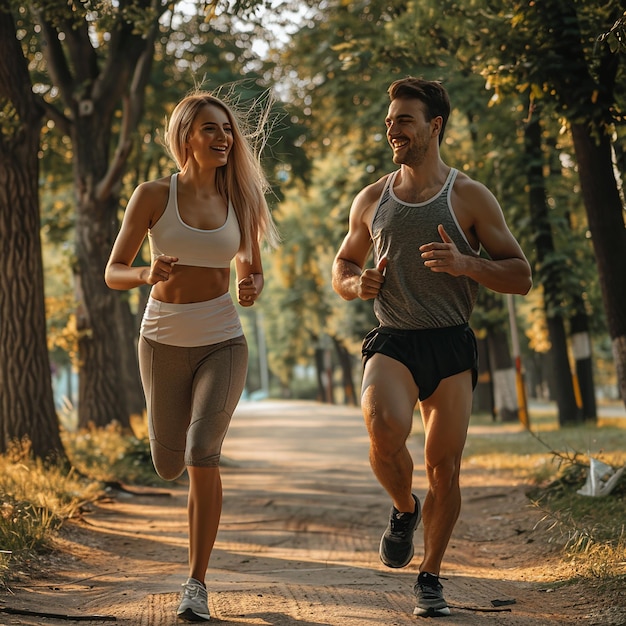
[{"x": 371, "y": 280}]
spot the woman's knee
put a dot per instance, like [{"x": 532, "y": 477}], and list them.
[
  {"x": 168, "y": 464},
  {"x": 168, "y": 471}
]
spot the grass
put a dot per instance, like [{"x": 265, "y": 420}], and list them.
[
  {"x": 35, "y": 498},
  {"x": 555, "y": 463}
]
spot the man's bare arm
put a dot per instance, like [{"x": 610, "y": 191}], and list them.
[
  {"x": 510, "y": 274},
  {"x": 349, "y": 279},
  {"x": 350, "y": 282},
  {"x": 506, "y": 270}
]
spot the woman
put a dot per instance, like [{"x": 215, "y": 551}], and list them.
[{"x": 192, "y": 352}]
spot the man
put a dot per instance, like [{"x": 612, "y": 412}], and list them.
[{"x": 427, "y": 223}]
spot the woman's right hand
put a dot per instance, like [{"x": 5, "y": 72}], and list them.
[{"x": 161, "y": 269}]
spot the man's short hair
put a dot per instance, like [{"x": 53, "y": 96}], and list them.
[{"x": 431, "y": 92}]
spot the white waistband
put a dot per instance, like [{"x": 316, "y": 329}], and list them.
[{"x": 195, "y": 324}]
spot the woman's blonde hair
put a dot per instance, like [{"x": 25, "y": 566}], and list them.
[{"x": 241, "y": 181}]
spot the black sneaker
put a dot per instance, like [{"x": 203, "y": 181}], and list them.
[
  {"x": 429, "y": 597},
  {"x": 396, "y": 545}
]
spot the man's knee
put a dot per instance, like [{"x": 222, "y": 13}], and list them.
[
  {"x": 443, "y": 474},
  {"x": 386, "y": 437}
]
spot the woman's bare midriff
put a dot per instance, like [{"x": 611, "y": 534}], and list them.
[{"x": 188, "y": 284}]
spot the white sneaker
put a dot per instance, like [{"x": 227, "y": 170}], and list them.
[{"x": 194, "y": 602}]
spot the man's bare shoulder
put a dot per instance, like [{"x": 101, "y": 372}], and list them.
[
  {"x": 374, "y": 190},
  {"x": 367, "y": 198},
  {"x": 471, "y": 195},
  {"x": 469, "y": 190}
]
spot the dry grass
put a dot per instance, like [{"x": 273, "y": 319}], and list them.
[
  {"x": 555, "y": 462},
  {"x": 36, "y": 498}
]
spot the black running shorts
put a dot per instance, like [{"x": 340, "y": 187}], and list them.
[{"x": 431, "y": 354}]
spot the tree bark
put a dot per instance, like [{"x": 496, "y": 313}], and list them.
[
  {"x": 101, "y": 391},
  {"x": 580, "y": 337},
  {"x": 563, "y": 389},
  {"x": 324, "y": 376},
  {"x": 93, "y": 91},
  {"x": 589, "y": 101},
  {"x": 605, "y": 215},
  {"x": 345, "y": 362},
  {"x": 129, "y": 333},
  {"x": 26, "y": 398}
]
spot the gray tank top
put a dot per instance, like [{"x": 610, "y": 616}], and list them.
[{"x": 413, "y": 296}]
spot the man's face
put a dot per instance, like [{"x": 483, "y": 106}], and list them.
[{"x": 409, "y": 133}]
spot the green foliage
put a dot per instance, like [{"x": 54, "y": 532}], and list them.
[
  {"x": 487, "y": 55},
  {"x": 615, "y": 37},
  {"x": 343, "y": 63},
  {"x": 10, "y": 122},
  {"x": 302, "y": 311},
  {"x": 568, "y": 69},
  {"x": 327, "y": 140},
  {"x": 110, "y": 454},
  {"x": 214, "y": 55},
  {"x": 490, "y": 312}
]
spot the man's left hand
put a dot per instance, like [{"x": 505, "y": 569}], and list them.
[{"x": 443, "y": 256}]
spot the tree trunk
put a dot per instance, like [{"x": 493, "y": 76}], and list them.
[
  {"x": 483, "y": 400},
  {"x": 129, "y": 334},
  {"x": 324, "y": 375},
  {"x": 581, "y": 349},
  {"x": 579, "y": 322},
  {"x": 26, "y": 399},
  {"x": 568, "y": 411},
  {"x": 345, "y": 362},
  {"x": 563, "y": 383},
  {"x": 619, "y": 149},
  {"x": 96, "y": 83},
  {"x": 101, "y": 395},
  {"x": 504, "y": 383},
  {"x": 605, "y": 215},
  {"x": 589, "y": 100}
]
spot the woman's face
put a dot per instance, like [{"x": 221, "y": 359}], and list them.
[{"x": 210, "y": 137}]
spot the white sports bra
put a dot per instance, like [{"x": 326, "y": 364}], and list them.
[{"x": 194, "y": 246}]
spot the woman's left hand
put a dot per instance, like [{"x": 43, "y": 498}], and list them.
[{"x": 247, "y": 291}]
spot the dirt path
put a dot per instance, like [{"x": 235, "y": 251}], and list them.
[{"x": 298, "y": 542}]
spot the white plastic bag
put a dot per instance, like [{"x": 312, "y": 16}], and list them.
[{"x": 601, "y": 479}]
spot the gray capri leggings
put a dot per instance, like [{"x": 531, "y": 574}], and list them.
[{"x": 191, "y": 394}]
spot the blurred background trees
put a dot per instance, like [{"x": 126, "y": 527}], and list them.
[{"x": 537, "y": 91}]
